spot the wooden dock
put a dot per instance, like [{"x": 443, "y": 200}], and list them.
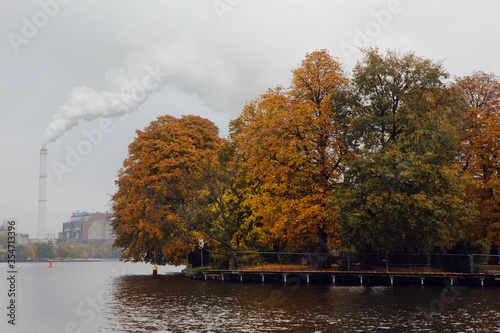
[{"x": 355, "y": 277}]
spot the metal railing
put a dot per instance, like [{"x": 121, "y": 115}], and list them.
[{"x": 351, "y": 262}]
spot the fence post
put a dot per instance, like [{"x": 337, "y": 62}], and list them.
[
  {"x": 348, "y": 262},
  {"x": 310, "y": 262},
  {"x": 471, "y": 259},
  {"x": 279, "y": 259},
  {"x": 387, "y": 262}
]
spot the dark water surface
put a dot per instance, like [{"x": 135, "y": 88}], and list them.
[{"x": 122, "y": 297}]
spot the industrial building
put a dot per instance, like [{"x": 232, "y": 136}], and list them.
[
  {"x": 87, "y": 226},
  {"x": 21, "y": 238}
]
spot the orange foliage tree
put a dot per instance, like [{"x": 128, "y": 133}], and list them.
[
  {"x": 154, "y": 183},
  {"x": 479, "y": 152},
  {"x": 292, "y": 143}
]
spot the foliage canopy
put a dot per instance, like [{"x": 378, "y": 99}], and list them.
[{"x": 394, "y": 159}]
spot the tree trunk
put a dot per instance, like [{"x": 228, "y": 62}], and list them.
[
  {"x": 321, "y": 251},
  {"x": 493, "y": 258},
  {"x": 365, "y": 260}
]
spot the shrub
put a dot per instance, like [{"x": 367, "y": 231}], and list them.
[
  {"x": 219, "y": 261},
  {"x": 252, "y": 259},
  {"x": 459, "y": 259},
  {"x": 198, "y": 273}
]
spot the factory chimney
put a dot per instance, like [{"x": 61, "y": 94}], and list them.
[{"x": 42, "y": 196}]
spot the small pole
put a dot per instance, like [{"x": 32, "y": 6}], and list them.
[
  {"x": 155, "y": 269},
  {"x": 201, "y": 244}
]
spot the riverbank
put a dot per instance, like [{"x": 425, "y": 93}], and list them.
[{"x": 369, "y": 277}]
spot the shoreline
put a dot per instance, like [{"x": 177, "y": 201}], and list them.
[{"x": 353, "y": 278}]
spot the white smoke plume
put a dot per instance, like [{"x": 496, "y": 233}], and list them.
[{"x": 130, "y": 85}]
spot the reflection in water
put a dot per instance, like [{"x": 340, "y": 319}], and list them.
[{"x": 176, "y": 304}]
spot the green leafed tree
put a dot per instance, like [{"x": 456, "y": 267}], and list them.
[
  {"x": 65, "y": 250},
  {"x": 216, "y": 212},
  {"x": 45, "y": 250},
  {"x": 401, "y": 192}
]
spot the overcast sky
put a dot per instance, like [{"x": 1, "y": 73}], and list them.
[{"x": 136, "y": 60}]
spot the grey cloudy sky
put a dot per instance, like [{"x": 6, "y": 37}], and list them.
[{"x": 136, "y": 60}]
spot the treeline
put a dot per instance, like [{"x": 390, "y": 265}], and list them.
[
  {"x": 397, "y": 157},
  {"x": 47, "y": 251}
]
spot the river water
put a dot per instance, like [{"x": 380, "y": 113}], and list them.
[{"x": 122, "y": 297}]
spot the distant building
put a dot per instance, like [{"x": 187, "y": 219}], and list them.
[
  {"x": 73, "y": 228},
  {"x": 23, "y": 239},
  {"x": 5, "y": 225},
  {"x": 87, "y": 226}
]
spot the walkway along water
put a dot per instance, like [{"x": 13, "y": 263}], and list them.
[
  {"x": 386, "y": 269},
  {"x": 354, "y": 278}
]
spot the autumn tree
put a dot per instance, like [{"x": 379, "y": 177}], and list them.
[
  {"x": 479, "y": 153},
  {"x": 401, "y": 192},
  {"x": 80, "y": 250},
  {"x": 292, "y": 144},
  {"x": 32, "y": 250},
  {"x": 154, "y": 183}
]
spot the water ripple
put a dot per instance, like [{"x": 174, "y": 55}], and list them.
[{"x": 176, "y": 304}]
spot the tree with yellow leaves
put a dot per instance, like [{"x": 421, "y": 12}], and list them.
[{"x": 292, "y": 144}]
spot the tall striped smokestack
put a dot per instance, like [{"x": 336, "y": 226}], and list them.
[{"x": 42, "y": 196}]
